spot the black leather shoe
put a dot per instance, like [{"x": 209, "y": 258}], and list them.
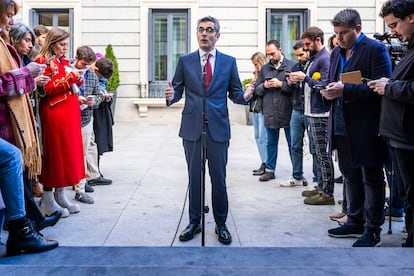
[
  {"x": 99, "y": 181},
  {"x": 260, "y": 170},
  {"x": 189, "y": 232},
  {"x": 223, "y": 234},
  {"x": 48, "y": 221}
]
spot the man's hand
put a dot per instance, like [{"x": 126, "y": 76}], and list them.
[
  {"x": 297, "y": 76},
  {"x": 333, "y": 90},
  {"x": 36, "y": 68},
  {"x": 169, "y": 92},
  {"x": 275, "y": 82},
  {"x": 378, "y": 85}
]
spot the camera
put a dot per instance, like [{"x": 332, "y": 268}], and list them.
[{"x": 396, "y": 48}]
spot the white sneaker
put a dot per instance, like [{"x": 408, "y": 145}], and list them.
[{"x": 294, "y": 182}]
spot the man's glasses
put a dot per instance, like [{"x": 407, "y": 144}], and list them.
[{"x": 209, "y": 30}]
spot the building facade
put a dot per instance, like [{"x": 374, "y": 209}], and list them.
[{"x": 148, "y": 36}]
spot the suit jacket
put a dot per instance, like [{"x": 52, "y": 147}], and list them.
[
  {"x": 361, "y": 105},
  {"x": 224, "y": 83}
]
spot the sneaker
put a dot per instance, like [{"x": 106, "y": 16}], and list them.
[
  {"x": 99, "y": 181},
  {"x": 267, "y": 176},
  {"x": 309, "y": 193},
  {"x": 84, "y": 198},
  {"x": 396, "y": 214},
  {"x": 346, "y": 231},
  {"x": 294, "y": 182},
  {"x": 368, "y": 239},
  {"x": 320, "y": 199},
  {"x": 88, "y": 188}
]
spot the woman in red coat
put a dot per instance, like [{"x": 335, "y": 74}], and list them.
[{"x": 63, "y": 161}]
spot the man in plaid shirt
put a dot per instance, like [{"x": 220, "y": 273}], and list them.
[{"x": 90, "y": 91}]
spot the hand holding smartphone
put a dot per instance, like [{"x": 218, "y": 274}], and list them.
[
  {"x": 50, "y": 59},
  {"x": 365, "y": 80}
]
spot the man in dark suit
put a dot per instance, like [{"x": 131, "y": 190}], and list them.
[
  {"x": 397, "y": 112},
  {"x": 208, "y": 77},
  {"x": 354, "y": 127}
]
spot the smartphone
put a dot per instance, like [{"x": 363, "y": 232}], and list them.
[
  {"x": 365, "y": 80},
  {"x": 50, "y": 59}
]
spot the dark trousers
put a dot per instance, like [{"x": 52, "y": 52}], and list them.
[
  {"x": 217, "y": 162},
  {"x": 32, "y": 211},
  {"x": 404, "y": 160},
  {"x": 365, "y": 189}
]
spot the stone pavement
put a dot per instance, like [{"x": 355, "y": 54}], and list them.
[{"x": 142, "y": 209}]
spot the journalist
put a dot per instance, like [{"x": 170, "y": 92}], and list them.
[
  {"x": 354, "y": 126},
  {"x": 397, "y": 113}
]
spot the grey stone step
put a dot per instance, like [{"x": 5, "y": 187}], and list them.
[{"x": 211, "y": 261}]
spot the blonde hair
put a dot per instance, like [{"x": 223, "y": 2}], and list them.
[{"x": 260, "y": 58}]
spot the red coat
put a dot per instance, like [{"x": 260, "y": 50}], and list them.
[{"x": 63, "y": 160}]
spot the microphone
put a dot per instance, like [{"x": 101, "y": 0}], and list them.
[
  {"x": 204, "y": 71},
  {"x": 204, "y": 62}
]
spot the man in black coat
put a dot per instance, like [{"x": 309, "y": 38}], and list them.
[{"x": 277, "y": 104}]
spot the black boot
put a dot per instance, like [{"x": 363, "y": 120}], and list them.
[
  {"x": 24, "y": 239},
  {"x": 47, "y": 221},
  {"x": 260, "y": 170}
]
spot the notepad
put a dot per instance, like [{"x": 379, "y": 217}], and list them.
[{"x": 353, "y": 77}]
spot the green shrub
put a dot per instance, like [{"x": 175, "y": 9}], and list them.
[
  {"x": 245, "y": 82},
  {"x": 113, "y": 82}
]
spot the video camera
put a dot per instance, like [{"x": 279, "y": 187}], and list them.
[{"x": 396, "y": 48}]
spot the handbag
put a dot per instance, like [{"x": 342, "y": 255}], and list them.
[{"x": 256, "y": 104}]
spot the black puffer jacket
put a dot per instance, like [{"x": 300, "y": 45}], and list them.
[
  {"x": 397, "y": 110},
  {"x": 277, "y": 103}
]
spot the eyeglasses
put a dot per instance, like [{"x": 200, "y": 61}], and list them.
[{"x": 209, "y": 30}]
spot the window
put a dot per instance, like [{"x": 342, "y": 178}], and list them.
[
  {"x": 168, "y": 40},
  {"x": 286, "y": 26},
  {"x": 62, "y": 18}
]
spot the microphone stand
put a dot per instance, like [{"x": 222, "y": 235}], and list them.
[{"x": 204, "y": 209}]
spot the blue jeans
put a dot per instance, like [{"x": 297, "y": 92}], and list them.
[
  {"x": 298, "y": 125},
  {"x": 272, "y": 146},
  {"x": 260, "y": 135},
  {"x": 11, "y": 180}
]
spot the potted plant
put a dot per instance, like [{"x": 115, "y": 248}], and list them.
[
  {"x": 113, "y": 82},
  {"x": 249, "y": 115}
]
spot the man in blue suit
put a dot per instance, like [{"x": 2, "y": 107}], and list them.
[
  {"x": 354, "y": 127},
  {"x": 208, "y": 77}
]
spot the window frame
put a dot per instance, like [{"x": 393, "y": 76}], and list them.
[{"x": 285, "y": 43}]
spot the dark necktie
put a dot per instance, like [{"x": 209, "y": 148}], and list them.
[{"x": 209, "y": 73}]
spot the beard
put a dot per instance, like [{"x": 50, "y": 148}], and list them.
[{"x": 312, "y": 53}]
